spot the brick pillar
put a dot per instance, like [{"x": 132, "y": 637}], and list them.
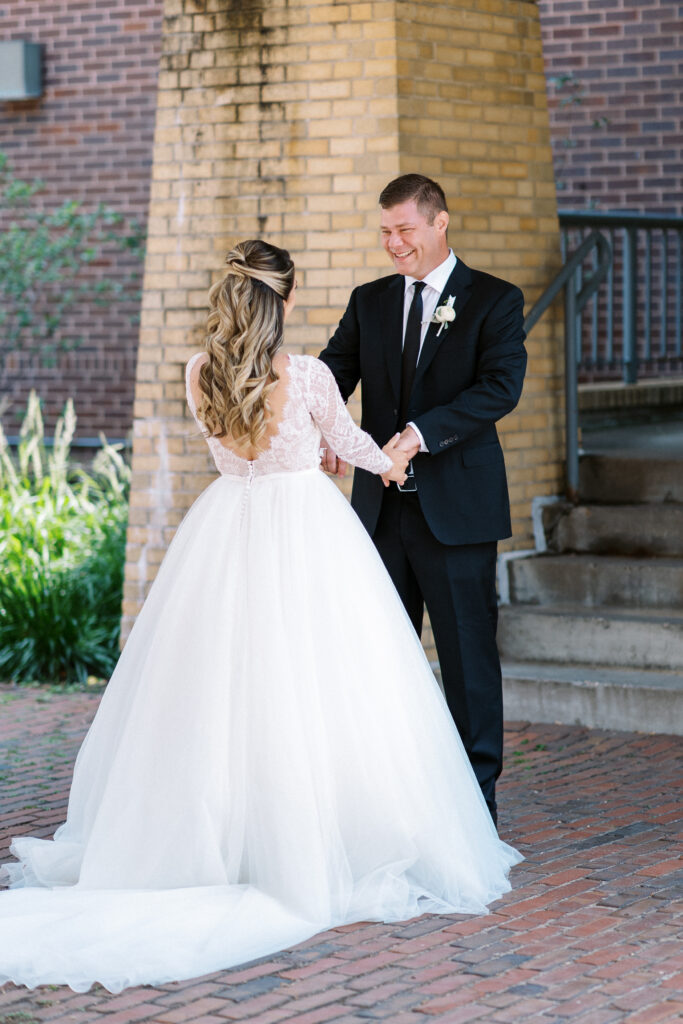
[{"x": 284, "y": 120}]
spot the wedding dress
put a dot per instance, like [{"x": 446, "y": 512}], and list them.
[{"x": 272, "y": 756}]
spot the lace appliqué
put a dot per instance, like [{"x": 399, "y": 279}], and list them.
[{"x": 313, "y": 407}]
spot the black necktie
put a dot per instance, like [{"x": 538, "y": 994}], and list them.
[{"x": 411, "y": 350}]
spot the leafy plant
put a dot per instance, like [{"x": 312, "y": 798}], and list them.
[
  {"x": 62, "y": 543},
  {"x": 44, "y": 256}
]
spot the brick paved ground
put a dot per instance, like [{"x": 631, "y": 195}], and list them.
[{"x": 591, "y": 932}]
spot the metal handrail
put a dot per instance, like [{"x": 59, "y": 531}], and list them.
[
  {"x": 574, "y": 303},
  {"x": 635, "y": 272}
]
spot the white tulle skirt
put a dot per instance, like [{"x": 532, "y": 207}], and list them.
[{"x": 272, "y": 757}]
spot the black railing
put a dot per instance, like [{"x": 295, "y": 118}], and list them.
[
  {"x": 633, "y": 291},
  {"x": 577, "y": 294},
  {"x": 633, "y": 326}
]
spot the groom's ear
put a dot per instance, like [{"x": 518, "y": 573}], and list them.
[{"x": 441, "y": 222}]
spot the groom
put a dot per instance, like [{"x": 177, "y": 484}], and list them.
[{"x": 439, "y": 351}]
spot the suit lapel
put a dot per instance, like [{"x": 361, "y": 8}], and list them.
[{"x": 459, "y": 284}]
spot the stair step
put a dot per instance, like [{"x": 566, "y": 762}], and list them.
[
  {"x": 600, "y": 697},
  {"x": 624, "y": 478},
  {"x": 597, "y": 580},
  {"x": 643, "y": 638},
  {"x": 615, "y": 529}
]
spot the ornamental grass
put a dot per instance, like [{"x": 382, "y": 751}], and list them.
[{"x": 62, "y": 545}]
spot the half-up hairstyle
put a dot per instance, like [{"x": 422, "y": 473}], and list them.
[{"x": 244, "y": 331}]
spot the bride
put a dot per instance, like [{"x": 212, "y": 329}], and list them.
[{"x": 272, "y": 756}]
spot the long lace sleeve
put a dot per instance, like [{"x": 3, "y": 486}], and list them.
[{"x": 331, "y": 415}]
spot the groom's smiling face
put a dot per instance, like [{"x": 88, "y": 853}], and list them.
[{"x": 414, "y": 246}]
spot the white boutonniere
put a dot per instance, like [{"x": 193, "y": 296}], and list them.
[{"x": 444, "y": 315}]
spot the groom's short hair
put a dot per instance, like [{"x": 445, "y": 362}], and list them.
[{"x": 428, "y": 194}]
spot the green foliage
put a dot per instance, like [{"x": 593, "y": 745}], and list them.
[
  {"x": 62, "y": 543},
  {"x": 44, "y": 256}
]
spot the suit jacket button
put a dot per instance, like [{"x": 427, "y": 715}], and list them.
[{"x": 395, "y": 412}]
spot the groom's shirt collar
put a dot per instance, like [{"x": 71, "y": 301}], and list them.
[{"x": 436, "y": 278}]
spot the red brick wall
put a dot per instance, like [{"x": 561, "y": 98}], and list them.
[
  {"x": 627, "y": 56},
  {"x": 89, "y": 137}
]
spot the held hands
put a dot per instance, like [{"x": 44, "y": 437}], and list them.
[
  {"x": 400, "y": 449},
  {"x": 400, "y": 461}
]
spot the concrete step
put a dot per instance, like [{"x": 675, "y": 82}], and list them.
[
  {"x": 614, "y": 529},
  {"x": 571, "y": 634},
  {"x": 625, "y": 478},
  {"x": 598, "y": 697},
  {"x": 597, "y": 580}
]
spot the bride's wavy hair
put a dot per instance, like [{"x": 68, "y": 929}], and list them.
[{"x": 244, "y": 331}]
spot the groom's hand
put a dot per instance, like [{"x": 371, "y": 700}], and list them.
[
  {"x": 330, "y": 462},
  {"x": 408, "y": 442}
]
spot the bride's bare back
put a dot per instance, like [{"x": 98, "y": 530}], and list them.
[{"x": 276, "y": 400}]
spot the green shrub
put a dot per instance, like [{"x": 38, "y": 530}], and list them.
[
  {"x": 47, "y": 258},
  {"x": 62, "y": 544}
]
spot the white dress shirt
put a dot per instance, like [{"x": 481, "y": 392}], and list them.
[{"x": 434, "y": 282}]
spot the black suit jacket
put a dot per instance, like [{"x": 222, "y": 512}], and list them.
[{"x": 467, "y": 378}]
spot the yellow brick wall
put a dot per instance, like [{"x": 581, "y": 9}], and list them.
[{"x": 283, "y": 119}]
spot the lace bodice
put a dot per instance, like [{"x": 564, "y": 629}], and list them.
[{"x": 313, "y": 407}]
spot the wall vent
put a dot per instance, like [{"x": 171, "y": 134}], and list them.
[{"x": 21, "y": 76}]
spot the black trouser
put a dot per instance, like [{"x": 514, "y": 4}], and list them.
[{"x": 458, "y": 585}]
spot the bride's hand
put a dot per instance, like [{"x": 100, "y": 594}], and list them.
[{"x": 400, "y": 462}]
